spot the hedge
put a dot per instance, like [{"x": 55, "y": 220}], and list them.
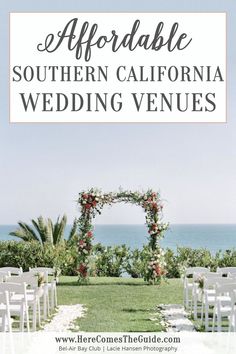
[
  {"x": 108, "y": 261},
  {"x": 33, "y": 254}
]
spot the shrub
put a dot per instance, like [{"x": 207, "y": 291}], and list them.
[
  {"x": 193, "y": 257},
  {"x": 134, "y": 263},
  {"x": 225, "y": 259},
  {"x": 33, "y": 254},
  {"x": 172, "y": 266},
  {"x": 109, "y": 261},
  {"x": 186, "y": 257},
  {"x": 16, "y": 254}
]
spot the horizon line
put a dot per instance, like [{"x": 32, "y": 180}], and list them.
[{"x": 131, "y": 224}]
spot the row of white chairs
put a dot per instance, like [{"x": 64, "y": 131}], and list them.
[
  {"x": 20, "y": 292},
  {"x": 215, "y": 290},
  {"x": 188, "y": 280}
]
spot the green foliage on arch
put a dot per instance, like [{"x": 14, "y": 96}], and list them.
[{"x": 91, "y": 203}]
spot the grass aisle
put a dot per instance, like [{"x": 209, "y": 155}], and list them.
[{"x": 119, "y": 304}]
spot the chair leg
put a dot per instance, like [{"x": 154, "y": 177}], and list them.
[
  {"x": 27, "y": 319},
  {"x": 202, "y": 311},
  {"x": 45, "y": 309},
  {"x": 190, "y": 300},
  {"x": 206, "y": 317},
  {"x": 34, "y": 315},
  {"x": 9, "y": 325},
  {"x": 55, "y": 293},
  {"x": 191, "y": 305},
  {"x": 4, "y": 323},
  {"x": 48, "y": 305},
  {"x": 218, "y": 322},
  {"x": 186, "y": 298},
  {"x": 22, "y": 318},
  {"x": 39, "y": 315},
  {"x": 195, "y": 307},
  {"x": 234, "y": 322},
  {"x": 52, "y": 298},
  {"x": 230, "y": 322},
  {"x": 214, "y": 320}
]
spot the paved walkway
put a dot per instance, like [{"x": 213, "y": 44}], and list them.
[
  {"x": 64, "y": 318},
  {"x": 176, "y": 318}
]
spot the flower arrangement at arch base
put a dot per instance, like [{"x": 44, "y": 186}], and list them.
[
  {"x": 155, "y": 271},
  {"x": 91, "y": 203}
]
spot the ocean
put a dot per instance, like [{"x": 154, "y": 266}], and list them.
[{"x": 210, "y": 236}]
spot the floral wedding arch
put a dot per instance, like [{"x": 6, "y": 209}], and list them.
[{"x": 91, "y": 203}]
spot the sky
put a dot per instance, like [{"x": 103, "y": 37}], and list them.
[{"x": 43, "y": 167}]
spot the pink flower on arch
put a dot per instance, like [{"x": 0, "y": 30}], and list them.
[
  {"x": 89, "y": 234},
  {"x": 82, "y": 244}
]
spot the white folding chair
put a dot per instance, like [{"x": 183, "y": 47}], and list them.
[
  {"x": 49, "y": 286},
  {"x": 198, "y": 290},
  {"x": 12, "y": 270},
  {"x": 32, "y": 294},
  {"x": 188, "y": 283},
  {"x": 232, "y": 317},
  {"x": 224, "y": 296},
  {"x": 17, "y": 302},
  {"x": 45, "y": 286},
  {"x": 208, "y": 295},
  {"x": 232, "y": 275},
  {"x": 226, "y": 270},
  {"x": 3, "y": 275},
  {"x": 5, "y": 317}
]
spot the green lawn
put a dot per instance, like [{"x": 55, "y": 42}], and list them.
[{"x": 119, "y": 304}]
